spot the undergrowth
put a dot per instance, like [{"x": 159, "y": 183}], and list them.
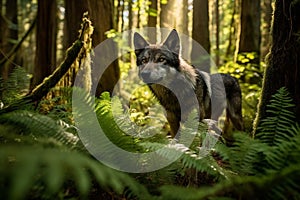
[{"x": 42, "y": 156}]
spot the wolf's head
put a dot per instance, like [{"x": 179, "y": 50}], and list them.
[{"x": 157, "y": 62}]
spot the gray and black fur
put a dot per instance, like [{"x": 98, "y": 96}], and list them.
[{"x": 174, "y": 82}]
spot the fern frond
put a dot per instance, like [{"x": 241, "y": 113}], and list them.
[
  {"x": 274, "y": 128},
  {"x": 16, "y": 86},
  {"x": 189, "y": 158},
  {"x": 246, "y": 156},
  {"x": 276, "y": 185},
  {"x": 99, "y": 132},
  {"x": 287, "y": 153},
  {"x": 22, "y": 168},
  {"x": 39, "y": 126},
  {"x": 107, "y": 120}
]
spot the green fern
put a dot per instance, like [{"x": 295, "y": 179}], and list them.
[
  {"x": 40, "y": 126},
  {"x": 197, "y": 155},
  {"x": 273, "y": 129},
  {"x": 276, "y": 185},
  {"x": 39, "y": 159},
  {"x": 28, "y": 170},
  {"x": 266, "y": 167},
  {"x": 16, "y": 86},
  {"x": 108, "y": 122}
]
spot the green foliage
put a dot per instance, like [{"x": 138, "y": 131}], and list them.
[
  {"x": 109, "y": 112},
  {"x": 263, "y": 168},
  {"x": 44, "y": 173},
  {"x": 42, "y": 157},
  {"x": 15, "y": 87},
  {"x": 281, "y": 116},
  {"x": 40, "y": 127},
  {"x": 249, "y": 76},
  {"x": 39, "y": 159}
]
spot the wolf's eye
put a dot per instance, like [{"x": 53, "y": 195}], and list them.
[
  {"x": 144, "y": 60},
  {"x": 161, "y": 59}
]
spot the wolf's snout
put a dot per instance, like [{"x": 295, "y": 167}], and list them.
[{"x": 145, "y": 75}]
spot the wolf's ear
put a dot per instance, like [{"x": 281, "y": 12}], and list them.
[
  {"x": 139, "y": 43},
  {"x": 173, "y": 42}
]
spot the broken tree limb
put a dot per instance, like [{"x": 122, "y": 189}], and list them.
[{"x": 49, "y": 82}]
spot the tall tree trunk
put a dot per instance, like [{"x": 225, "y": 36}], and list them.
[
  {"x": 181, "y": 13},
  {"x": 200, "y": 32},
  {"x": 130, "y": 21},
  {"x": 283, "y": 67},
  {"x": 101, "y": 14},
  {"x": 73, "y": 14},
  {"x": 249, "y": 37},
  {"x": 46, "y": 33},
  {"x": 152, "y": 20},
  {"x": 267, "y": 12},
  {"x": 9, "y": 34},
  {"x": 167, "y": 17},
  {"x": 119, "y": 15},
  {"x": 102, "y": 18},
  {"x": 232, "y": 34},
  {"x": 217, "y": 10},
  {"x": 130, "y": 15}
]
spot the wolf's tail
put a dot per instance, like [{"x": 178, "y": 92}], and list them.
[{"x": 234, "y": 101}]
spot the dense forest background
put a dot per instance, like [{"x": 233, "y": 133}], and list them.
[{"x": 45, "y": 44}]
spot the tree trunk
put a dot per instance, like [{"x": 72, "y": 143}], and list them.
[
  {"x": 181, "y": 13},
  {"x": 249, "y": 37},
  {"x": 267, "y": 11},
  {"x": 119, "y": 16},
  {"x": 283, "y": 67},
  {"x": 73, "y": 14},
  {"x": 101, "y": 15},
  {"x": 102, "y": 18},
  {"x": 152, "y": 20},
  {"x": 9, "y": 34},
  {"x": 46, "y": 33},
  {"x": 232, "y": 34},
  {"x": 217, "y": 33},
  {"x": 167, "y": 17},
  {"x": 200, "y": 32}
]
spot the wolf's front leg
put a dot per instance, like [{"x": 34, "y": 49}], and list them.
[{"x": 174, "y": 121}]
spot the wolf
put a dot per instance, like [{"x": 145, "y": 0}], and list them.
[{"x": 180, "y": 87}]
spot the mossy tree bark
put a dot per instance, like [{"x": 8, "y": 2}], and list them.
[
  {"x": 283, "y": 63},
  {"x": 101, "y": 15}
]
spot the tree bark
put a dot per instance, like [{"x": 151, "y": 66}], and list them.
[
  {"x": 167, "y": 17},
  {"x": 232, "y": 34},
  {"x": 101, "y": 15},
  {"x": 73, "y": 13},
  {"x": 200, "y": 32},
  {"x": 46, "y": 36},
  {"x": 101, "y": 12},
  {"x": 152, "y": 20},
  {"x": 283, "y": 67},
  {"x": 9, "y": 32},
  {"x": 267, "y": 11},
  {"x": 217, "y": 10},
  {"x": 249, "y": 37}
]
